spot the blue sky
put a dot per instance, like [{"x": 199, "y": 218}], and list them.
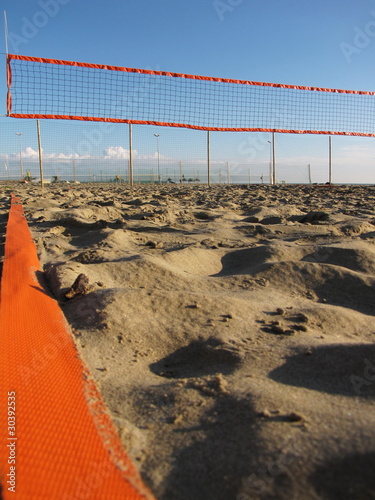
[{"x": 322, "y": 43}]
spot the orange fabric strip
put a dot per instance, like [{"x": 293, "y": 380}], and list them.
[
  {"x": 183, "y": 125},
  {"x": 182, "y": 75},
  {"x": 9, "y": 84},
  {"x": 9, "y": 103},
  {"x": 9, "y": 74},
  {"x": 57, "y": 440}
]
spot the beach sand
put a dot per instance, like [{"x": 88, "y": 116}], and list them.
[{"x": 230, "y": 329}]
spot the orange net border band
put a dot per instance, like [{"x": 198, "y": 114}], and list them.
[
  {"x": 182, "y": 75},
  {"x": 180, "y": 125}
]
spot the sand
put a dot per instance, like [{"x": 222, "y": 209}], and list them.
[{"x": 230, "y": 329}]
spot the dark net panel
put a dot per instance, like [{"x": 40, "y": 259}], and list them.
[{"x": 63, "y": 90}]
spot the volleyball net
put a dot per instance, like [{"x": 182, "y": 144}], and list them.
[{"x": 55, "y": 89}]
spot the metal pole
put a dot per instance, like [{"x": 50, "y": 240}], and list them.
[
  {"x": 6, "y": 34},
  {"x": 208, "y": 158},
  {"x": 157, "y": 147},
  {"x": 270, "y": 164},
  {"x": 40, "y": 154},
  {"x": 274, "y": 158},
  {"x": 310, "y": 179},
  {"x": 21, "y": 169},
  {"x": 6, "y": 168},
  {"x": 330, "y": 161},
  {"x": 130, "y": 154},
  {"x": 7, "y": 69}
]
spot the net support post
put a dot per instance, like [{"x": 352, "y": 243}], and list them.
[
  {"x": 130, "y": 154},
  {"x": 208, "y": 159},
  {"x": 40, "y": 154},
  {"x": 273, "y": 158},
  {"x": 6, "y": 34},
  {"x": 330, "y": 160}
]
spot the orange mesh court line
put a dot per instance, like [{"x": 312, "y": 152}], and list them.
[{"x": 61, "y": 443}]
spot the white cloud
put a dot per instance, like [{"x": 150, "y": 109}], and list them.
[
  {"x": 33, "y": 155},
  {"x": 117, "y": 153},
  {"x": 110, "y": 153},
  {"x": 120, "y": 153},
  {"x": 30, "y": 153}
]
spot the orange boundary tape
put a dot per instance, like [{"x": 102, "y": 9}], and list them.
[{"x": 61, "y": 444}]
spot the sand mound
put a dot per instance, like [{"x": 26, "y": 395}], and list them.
[
  {"x": 330, "y": 369},
  {"x": 360, "y": 258},
  {"x": 195, "y": 261}
]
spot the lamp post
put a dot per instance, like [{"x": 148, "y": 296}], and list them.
[
  {"x": 19, "y": 137},
  {"x": 157, "y": 148}
]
